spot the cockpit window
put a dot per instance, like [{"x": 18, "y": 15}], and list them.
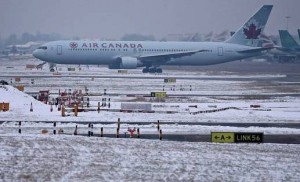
[{"x": 43, "y": 47}]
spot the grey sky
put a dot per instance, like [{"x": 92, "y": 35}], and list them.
[{"x": 111, "y": 19}]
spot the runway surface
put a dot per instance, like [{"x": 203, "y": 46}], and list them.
[{"x": 282, "y": 139}]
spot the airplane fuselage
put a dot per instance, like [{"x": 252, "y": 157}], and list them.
[{"x": 107, "y": 52}]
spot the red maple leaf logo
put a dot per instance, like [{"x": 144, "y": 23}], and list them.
[
  {"x": 252, "y": 32},
  {"x": 73, "y": 45}
]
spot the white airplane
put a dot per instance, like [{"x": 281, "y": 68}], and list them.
[
  {"x": 132, "y": 54},
  {"x": 23, "y": 48}
]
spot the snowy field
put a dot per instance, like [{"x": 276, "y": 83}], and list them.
[
  {"x": 69, "y": 158},
  {"x": 20, "y": 104},
  {"x": 32, "y": 156}
]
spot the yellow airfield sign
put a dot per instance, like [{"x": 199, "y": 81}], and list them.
[
  {"x": 237, "y": 137},
  {"x": 222, "y": 137},
  {"x": 159, "y": 94}
]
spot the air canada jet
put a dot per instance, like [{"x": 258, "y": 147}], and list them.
[{"x": 151, "y": 55}]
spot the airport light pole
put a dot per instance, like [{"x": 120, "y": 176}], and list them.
[{"x": 287, "y": 22}]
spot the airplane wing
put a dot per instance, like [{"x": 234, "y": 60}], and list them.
[
  {"x": 283, "y": 49},
  {"x": 296, "y": 49},
  {"x": 165, "y": 57},
  {"x": 260, "y": 49}
]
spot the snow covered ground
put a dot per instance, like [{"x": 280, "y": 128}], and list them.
[
  {"x": 69, "y": 158},
  {"x": 32, "y": 156},
  {"x": 20, "y": 104}
]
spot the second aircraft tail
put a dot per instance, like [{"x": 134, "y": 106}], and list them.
[{"x": 287, "y": 41}]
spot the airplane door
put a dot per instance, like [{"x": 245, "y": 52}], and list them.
[
  {"x": 220, "y": 51},
  {"x": 59, "y": 49}
]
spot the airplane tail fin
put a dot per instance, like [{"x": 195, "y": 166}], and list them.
[
  {"x": 287, "y": 41},
  {"x": 249, "y": 33}
]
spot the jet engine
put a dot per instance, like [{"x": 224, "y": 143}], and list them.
[
  {"x": 125, "y": 63},
  {"x": 128, "y": 63}
]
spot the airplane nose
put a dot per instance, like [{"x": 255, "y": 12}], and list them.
[
  {"x": 37, "y": 54},
  {"x": 34, "y": 53}
]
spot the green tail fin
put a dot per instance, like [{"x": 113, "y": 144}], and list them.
[{"x": 287, "y": 41}]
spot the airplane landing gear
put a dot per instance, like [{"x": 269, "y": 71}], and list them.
[
  {"x": 52, "y": 67},
  {"x": 158, "y": 70},
  {"x": 146, "y": 70},
  {"x": 152, "y": 70}
]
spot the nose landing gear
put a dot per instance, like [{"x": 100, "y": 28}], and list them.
[{"x": 52, "y": 67}]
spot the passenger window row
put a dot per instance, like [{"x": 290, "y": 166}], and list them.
[{"x": 143, "y": 50}]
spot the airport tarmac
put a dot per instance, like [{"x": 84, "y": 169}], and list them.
[
  {"x": 279, "y": 139},
  {"x": 170, "y": 131},
  {"x": 210, "y": 83},
  {"x": 186, "y": 127},
  {"x": 275, "y": 90}
]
